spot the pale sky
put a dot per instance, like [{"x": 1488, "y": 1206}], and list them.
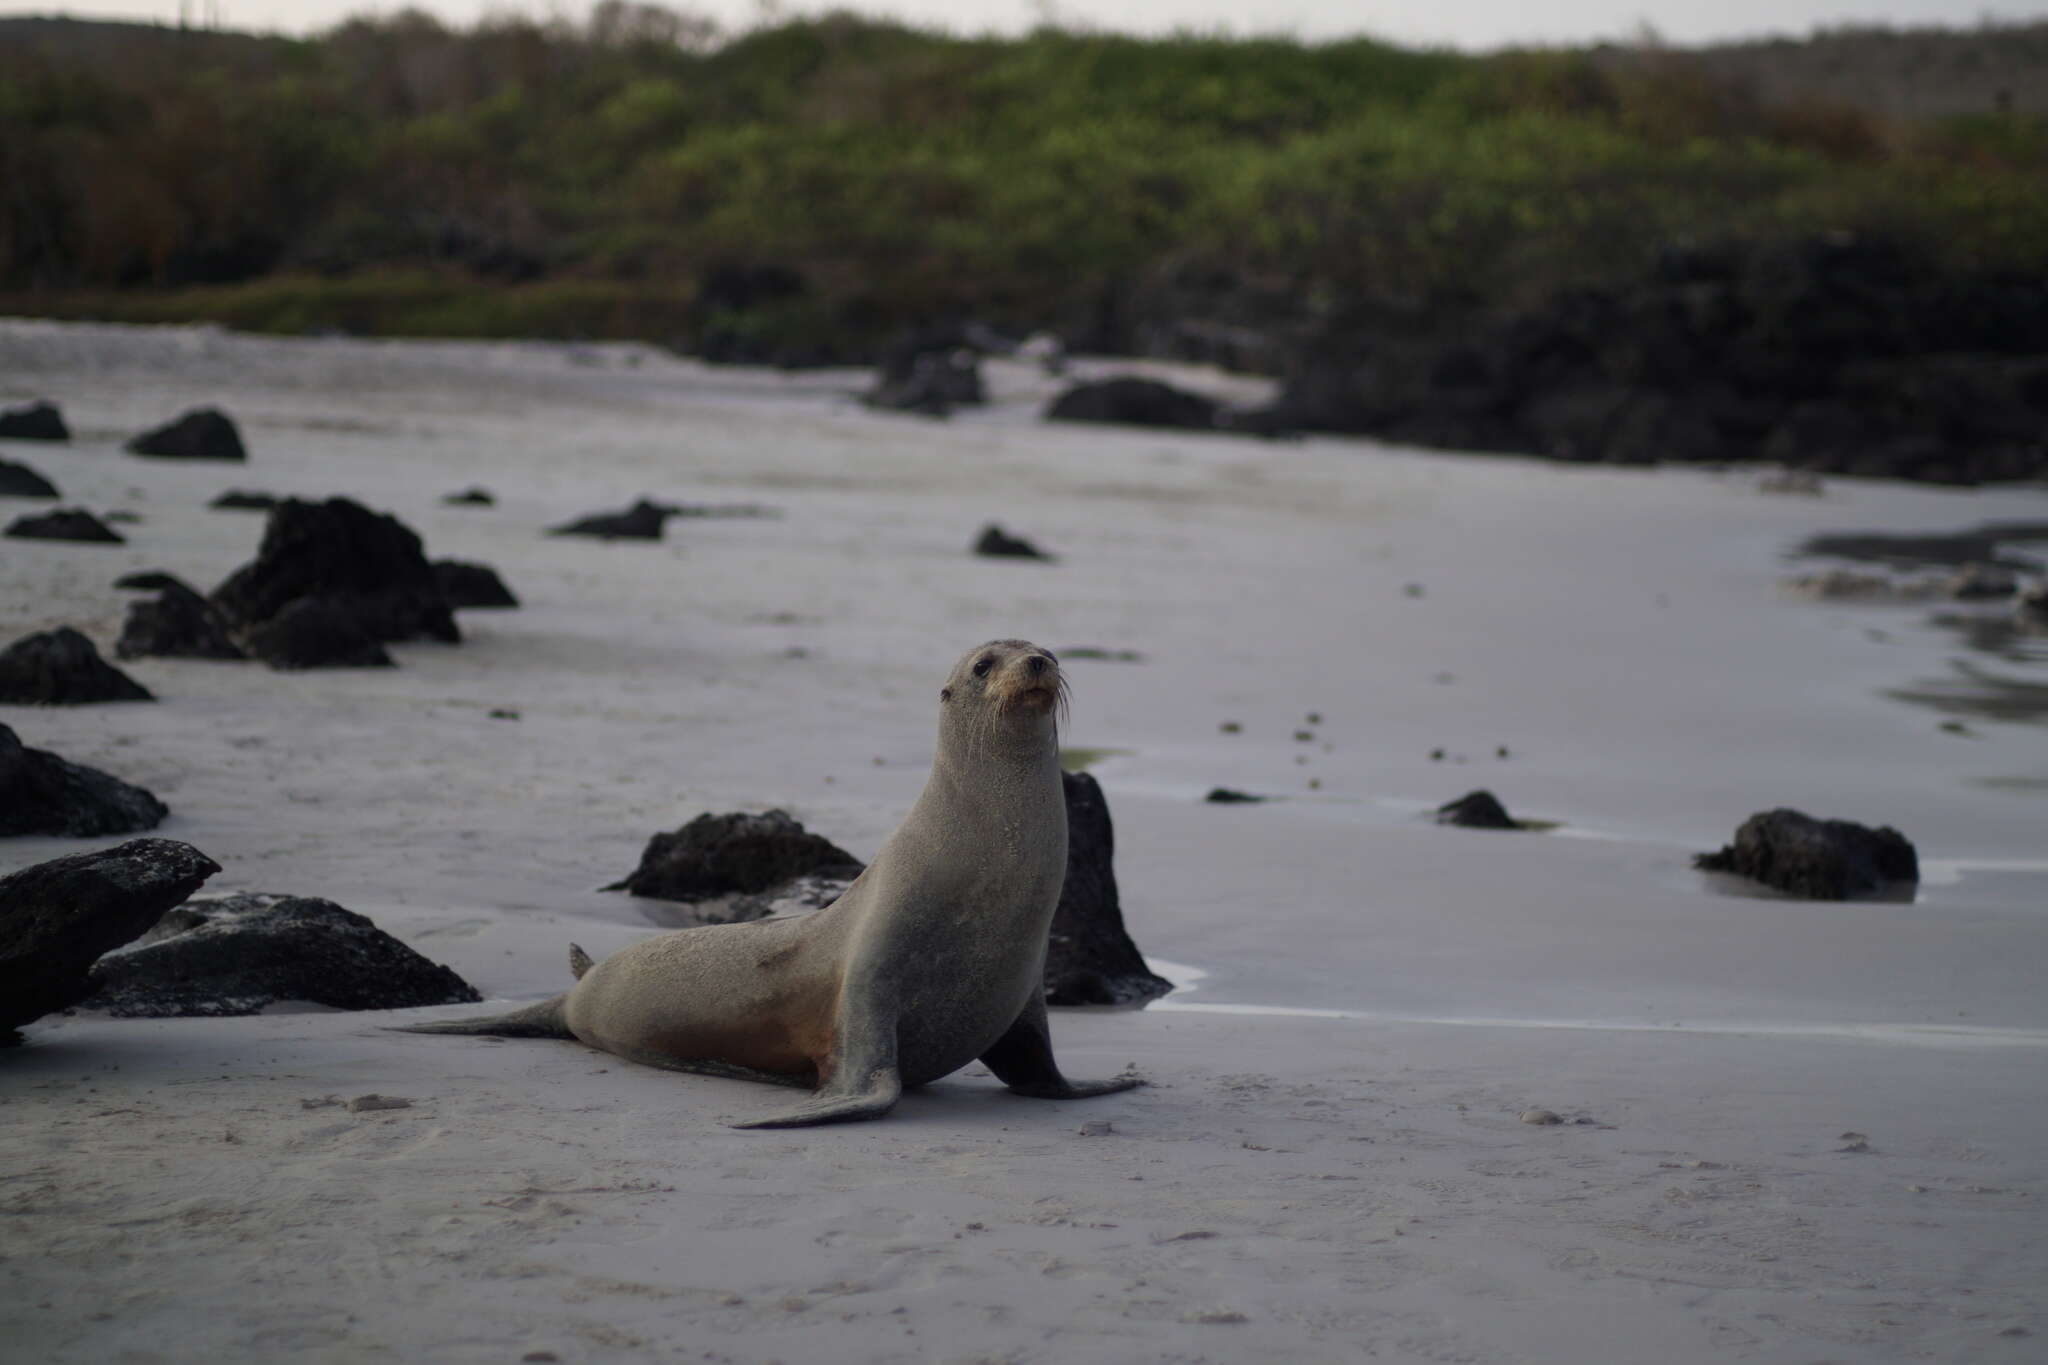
[{"x": 1466, "y": 24}]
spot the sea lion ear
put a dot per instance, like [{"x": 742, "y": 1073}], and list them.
[{"x": 945, "y": 694}]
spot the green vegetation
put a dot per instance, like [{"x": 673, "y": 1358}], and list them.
[{"x": 395, "y": 176}]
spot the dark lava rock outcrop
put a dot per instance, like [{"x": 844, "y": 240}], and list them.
[
  {"x": 1827, "y": 860},
  {"x": 327, "y": 577},
  {"x": 41, "y": 793},
  {"x": 642, "y": 521},
  {"x": 734, "y": 853},
  {"x": 33, "y": 422},
  {"x": 999, "y": 544},
  {"x": 201, "y": 434},
  {"x": 19, "y": 481},
  {"x": 178, "y": 624},
  {"x": 237, "y": 954},
  {"x": 66, "y": 523},
  {"x": 466, "y": 585},
  {"x": 57, "y": 918},
  {"x": 1090, "y": 959},
  {"x": 1836, "y": 354},
  {"x": 61, "y": 668},
  {"x": 1476, "y": 810}
]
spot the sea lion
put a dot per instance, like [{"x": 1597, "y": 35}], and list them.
[{"x": 932, "y": 958}]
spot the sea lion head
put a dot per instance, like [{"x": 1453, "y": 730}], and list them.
[{"x": 1005, "y": 687}]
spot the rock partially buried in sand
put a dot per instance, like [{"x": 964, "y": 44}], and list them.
[
  {"x": 995, "y": 542},
  {"x": 175, "y": 624},
  {"x": 1230, "y": 796},
  {"x": 41, "y": 793},
  {"x": 242, "y": 500},
  {"x": 201, "y": 434},
  {"x": 237, "y": 954},
  {"x": 316, "y": 632},
  {"x": 33, "y": 422},
  {"x": 61, "y": 668},
  {"x": 151, "y": 580},
  {"x": 19, "y": 481},
  {"x": 1827, "y": 860},
  {"x": 328, "y": 577},
  {"x": 471, "y": 497},
  {"x": 932, "y": 380},
  {"x": 642, "y": 521},
  {"x": 1131, "y": 401},
  {"x": 66, "y": 523},
  {"x": 1476, "y": 810},
  {"x": 1090, "y": 959},
  {"x": 57, "y": 917},
  {"x": 468, "y": 585},
  {"x": 735, "y": 853}
]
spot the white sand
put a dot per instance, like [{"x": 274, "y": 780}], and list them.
[{"x": 1328, "y": 1165}]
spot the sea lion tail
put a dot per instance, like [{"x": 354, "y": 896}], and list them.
[
  {"x": 579, "y": 961},
  {"x": 544, "y": 1020}
]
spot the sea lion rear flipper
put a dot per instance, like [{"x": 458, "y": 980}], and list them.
[
  {"x": 579, "y": 961},
  {"x": 1022, "y": 1061},
  {"x": 833, "y": 1105},
  {"x": 861, "y": 1080}
]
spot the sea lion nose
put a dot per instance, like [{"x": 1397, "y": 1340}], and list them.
[{"x": 1037, "y": 664}]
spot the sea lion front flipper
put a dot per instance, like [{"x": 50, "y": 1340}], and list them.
[{"x": 1022, "y": 1060}]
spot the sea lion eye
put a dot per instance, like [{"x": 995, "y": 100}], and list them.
[{"x": 982, "y": 666}]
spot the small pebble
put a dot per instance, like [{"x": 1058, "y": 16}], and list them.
[
  {"x": 1095, "y": 1128},
  {"x": 364, "y": 1103},
  {"x": 1230, "y": 727},
  {"x": 1540, "y": 1116}
]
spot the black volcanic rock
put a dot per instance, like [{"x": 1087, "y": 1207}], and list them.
[
  {"x": 237, "y": 954},
  {"x": 341, "y": 574},
  {"x": 177, "y": 623},
  {"x": 642, "y": 521},
  {"x": 1230, "y": 796},
  {"x": 19, "y": 481},
  {"x": 472, "y": 585},
  {"x": 718, "y": 855},
  {"x": 471, "y": 497},
  {"x": 1090, "y": 959},
  {"x": 316, "y": 632},
  {"x": 57, "y": 917},
  {"x": 997, "y": 543},
  {"x": 66, "y": 523},
  {"x": 1132, "y": 401},
  {"x": 33, "y": 422},
  {"x": 1827, "y": 860},
  {"x": 1476, "y": 810},
  {"x": 61, "y": 668},
  {"x": 201, "y": 434},
  {"x": 243, "y": 500},
  {"x": 151, "y": 580},
  {"x": 41, "y": 793}
]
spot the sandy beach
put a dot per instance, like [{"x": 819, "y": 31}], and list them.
[{"x": 1792, "y": 1132}]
